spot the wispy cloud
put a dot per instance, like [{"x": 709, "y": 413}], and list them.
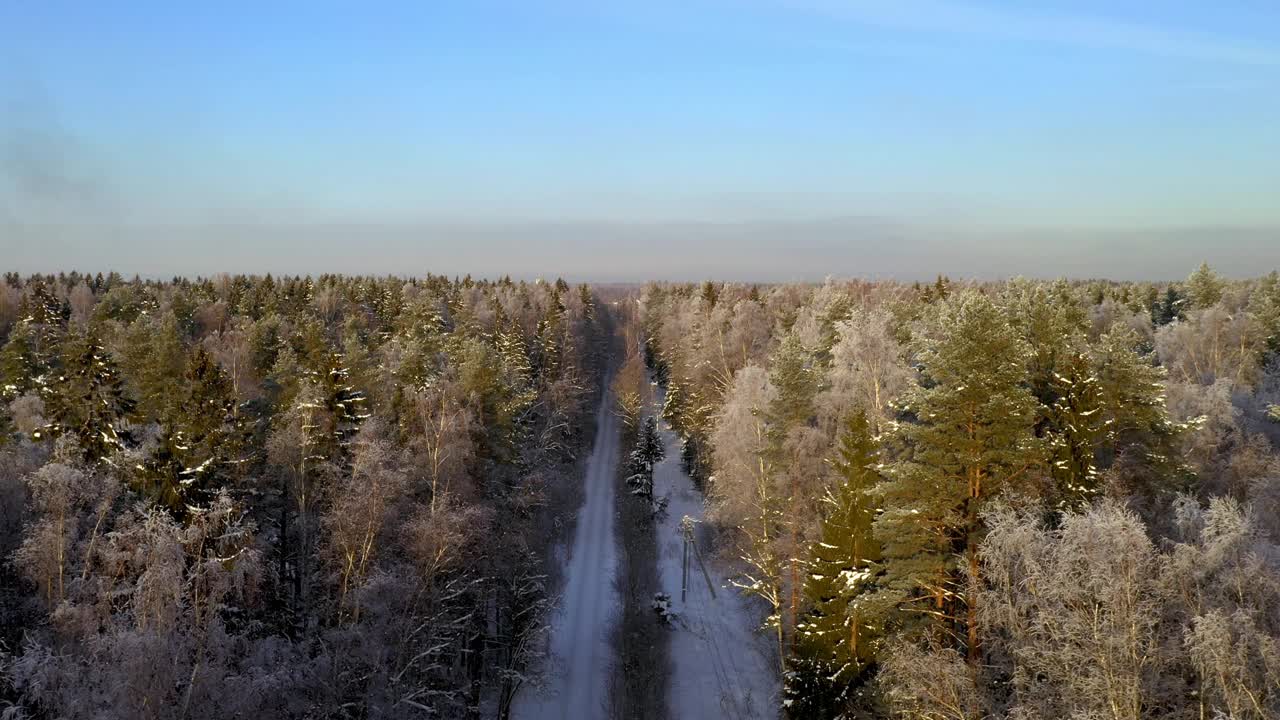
[{"x": 1058, "y": 29}]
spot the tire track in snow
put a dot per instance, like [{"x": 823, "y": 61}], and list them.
[{"x": 580, "y": 655}]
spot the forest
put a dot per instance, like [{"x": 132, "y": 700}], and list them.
[
  {"x": 992, "y": 500},
  {"x": 341, "y": 497},
  {"x": 251, "y": 497}
]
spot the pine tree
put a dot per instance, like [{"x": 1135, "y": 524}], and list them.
[
  {"x": 838, "y": 638},
  {"x": 793, "y": 375},
  {"x": 1204, "y": 287},
  {"x": 791, "y": 371},
  {"x": 971, "y": 442}
]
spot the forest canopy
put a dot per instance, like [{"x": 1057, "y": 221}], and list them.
[
  {"x": 968, "y": 500},
  {"x": 257, "y": 496},
  {"x": 269, "y": 496}
]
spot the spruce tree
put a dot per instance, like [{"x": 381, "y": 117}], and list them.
[
  {"x": 22, "y": 369},
  {"x": 972, "y": 440},
  {"x": 647, "y": 453},
  {"x": 838, "y": 638},
  {"x": 154, "y": 358},
  {"x": 1169, "y": 307},
  {"x": 346, "y": 404},
  {"x": 1136, "y": 425},
  {"x": 199, "y": 444},
  {"x": 88, "y": 398},
  {"x": 1075, "y": 428}
]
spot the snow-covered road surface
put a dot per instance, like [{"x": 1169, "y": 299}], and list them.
[
  {"x": 721, "y": 665},
  {"x": 580, "y": 653}
]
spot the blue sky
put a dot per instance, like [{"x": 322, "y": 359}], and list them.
[{"x": 1003, "y": 127}]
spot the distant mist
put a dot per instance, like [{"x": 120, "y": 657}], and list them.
[{"x": 619, "y": 252}]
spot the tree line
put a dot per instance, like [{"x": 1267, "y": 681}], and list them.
[{"x": 1021, "y": 499}]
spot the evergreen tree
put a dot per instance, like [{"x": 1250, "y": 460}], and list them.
[
  {"x": 343, "y": 401},
  {"x": 1076, "y": 424},
  {"x": 199, "y": 444},
  {"x": 1136, "y": 425},
  {"x": 89, "y": 399},
  {"x": 1169, "y": 308},
  {"x": 791, "y": 372},
  {"x": 546, "y": 360},
  {"x": 838, "y": 637},
  {"x": 793, "y": 375},
  {"x": 31, "y": 355},
  {"x": 971, "y": 442},
  {"x": 7, "y": 428},
  {"x": 1204, "y": 287},
  {"x": 647, "y": 453},
  {"x": 710, "y": 294},
  {"x": 674, "y": 404},
  {"x": 1264, "y": 306},
  {"x": 22, "y": 369},
  {"x": 154, "y": 358},
  {"x": 48, "y": 317}
]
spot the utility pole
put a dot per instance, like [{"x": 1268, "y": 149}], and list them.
[{"x": 686, "y": 528}]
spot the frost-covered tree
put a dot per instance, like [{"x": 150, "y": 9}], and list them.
[
  {"x": 441, "y": 433},
  {"x": 57, "y": 492},
  {"x": 1210, "y": 345},
  {"x": 868, "y": 368},
  {"x": 1076, "y": 612},
  {"x": 362, "y": 506},
  {"x": 630, "y": 389},
  {"x": 1222, "y": 599},
  {"x": 744, "y": 494}
]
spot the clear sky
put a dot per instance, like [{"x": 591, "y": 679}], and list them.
[{"x": 620, "y": 139}]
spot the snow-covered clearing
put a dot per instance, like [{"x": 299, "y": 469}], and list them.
[
  {"x": 721, "y": 665},
  {"x": 580, "y": 655}
]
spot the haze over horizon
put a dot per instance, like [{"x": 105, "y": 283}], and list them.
[{"x": 757, "y": 140}]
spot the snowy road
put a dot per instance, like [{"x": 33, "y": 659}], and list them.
[
  {"x": 721, "y": 666},
  {"x": 580, "y": 652}
]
